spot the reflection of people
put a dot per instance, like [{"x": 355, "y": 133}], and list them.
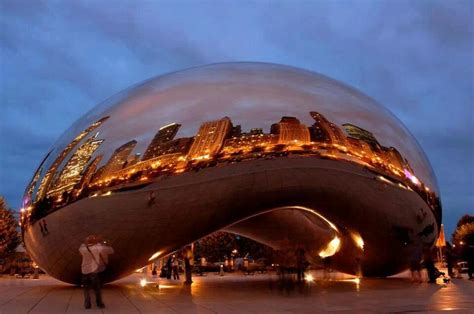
[
  {"x": 45, "y": 227},
  {"x": 433, "y": 272},
  {"x": 94, "y": 261},
  {"x": 188, "y": 264},
  {"x": 415, "y": 259},
  {"x": 175, "y": 267},
  {"x": 41, "y": 228},
  {"x": 168, "y": 268}
]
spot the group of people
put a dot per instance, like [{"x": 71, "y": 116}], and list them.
[
  {"x": 95, "y": 252},
  {"x": 172, "y": 268}
]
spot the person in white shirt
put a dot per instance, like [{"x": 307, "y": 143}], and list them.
[{"x": 94, "y": 261}]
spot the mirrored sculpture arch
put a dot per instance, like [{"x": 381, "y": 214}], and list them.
[{"x": 251, "y": 148}]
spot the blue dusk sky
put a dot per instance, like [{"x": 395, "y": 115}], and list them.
[{"x": 58, "y": 59}]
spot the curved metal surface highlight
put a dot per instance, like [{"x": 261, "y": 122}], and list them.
[{"x": 245, "y": 147}]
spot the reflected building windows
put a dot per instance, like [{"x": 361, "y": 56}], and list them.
[
  {"x": 209, "y": 139},
  {"x": 157, "y": 146},
  {"x": 291, "y": 131}
]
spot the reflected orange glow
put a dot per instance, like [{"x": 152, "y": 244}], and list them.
[
  {"x": 155, "y": 256},
  {"x": 358, "y": 240},
  {"x": 219, "y": 143},
  {"x": 331, "y": 248}
]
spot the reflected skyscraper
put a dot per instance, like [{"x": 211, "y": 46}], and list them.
[
  {"x": 71, "y": 173},
  {"x": 291, "y": 131},
  {"x": 359, "y": 133},
  {"x": 118, "y": 158},
  {"x": 326, "y": 131},
  {"x": 209, "y": 139},
  {"x": 31, "y": 187},
  {"x": 50, "y": 174},
  {"x": 87, "y": 176},
  {"x": 164, "y": 135}
]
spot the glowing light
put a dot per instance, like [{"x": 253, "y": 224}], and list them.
[
  {"x": 107, "y": 193},
  {"x": 154, "y": 256},
  {"x": 381, "y": 178},
  {"x": 411, "y": 177},
  {"x": 331, "y": 248},
  {"x": 168, "y": 125},
  {"x": 22, "y": 209},
  {"x": 309, "y": 278},
  {"x": 143, "y": 282},
  {"x": 358, "y": 240}
]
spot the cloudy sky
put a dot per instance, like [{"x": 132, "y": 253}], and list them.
[{"x": 59, "y": 59}]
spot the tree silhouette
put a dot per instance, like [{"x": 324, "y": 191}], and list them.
[{"x": 9, "y": 236}]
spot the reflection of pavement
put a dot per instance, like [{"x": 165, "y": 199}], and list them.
[{"x": 239, "y": 294}]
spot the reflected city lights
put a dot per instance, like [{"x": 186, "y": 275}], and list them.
[
  {"x": 217, "y": 142},
  {"x": 331, "y": 248},
  {"x": 309, "y": 278},
  {"x": 358, "y": 240},
  {"x": 157, "y": 254}
]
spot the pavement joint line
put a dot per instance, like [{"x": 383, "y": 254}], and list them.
[
  {"x": 69, "y": 301},
  {"x": 17, "y": 295},
  {"x": 128, "y": 299},
  {"x": 41, "y": 299}
]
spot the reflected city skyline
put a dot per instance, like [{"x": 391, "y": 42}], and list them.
[{"x": 216, "y": 143}]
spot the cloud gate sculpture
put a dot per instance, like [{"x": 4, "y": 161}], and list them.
[{"x": 284, "y": 156}]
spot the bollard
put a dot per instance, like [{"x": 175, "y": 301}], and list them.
[{"x": 221, "y": 271}]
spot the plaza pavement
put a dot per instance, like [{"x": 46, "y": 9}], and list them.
[{"x": 236, "y": 293}]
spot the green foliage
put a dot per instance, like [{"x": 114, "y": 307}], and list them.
[{"x": 9, "y": 236}]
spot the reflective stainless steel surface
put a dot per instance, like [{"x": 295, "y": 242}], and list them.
[{"x": 251, "y": 148}]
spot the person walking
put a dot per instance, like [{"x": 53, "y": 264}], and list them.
[
  {"x": 175, "y": 267},
  {"x": 94, "y": 253}
]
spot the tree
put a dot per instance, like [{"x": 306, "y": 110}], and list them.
[
  {"x": 464, "y": 233},
  {"x": 9, "y": 236}
]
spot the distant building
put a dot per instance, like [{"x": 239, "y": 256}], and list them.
[
  {"x": 209, "y": 139},
  {"x": 236, "y": 131},
  {"x": 118, "y": 158},
  {"x": 291, "y": 131},
  {"x": 256, "y": 131},
  {"x": 164, "y": 135}
]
